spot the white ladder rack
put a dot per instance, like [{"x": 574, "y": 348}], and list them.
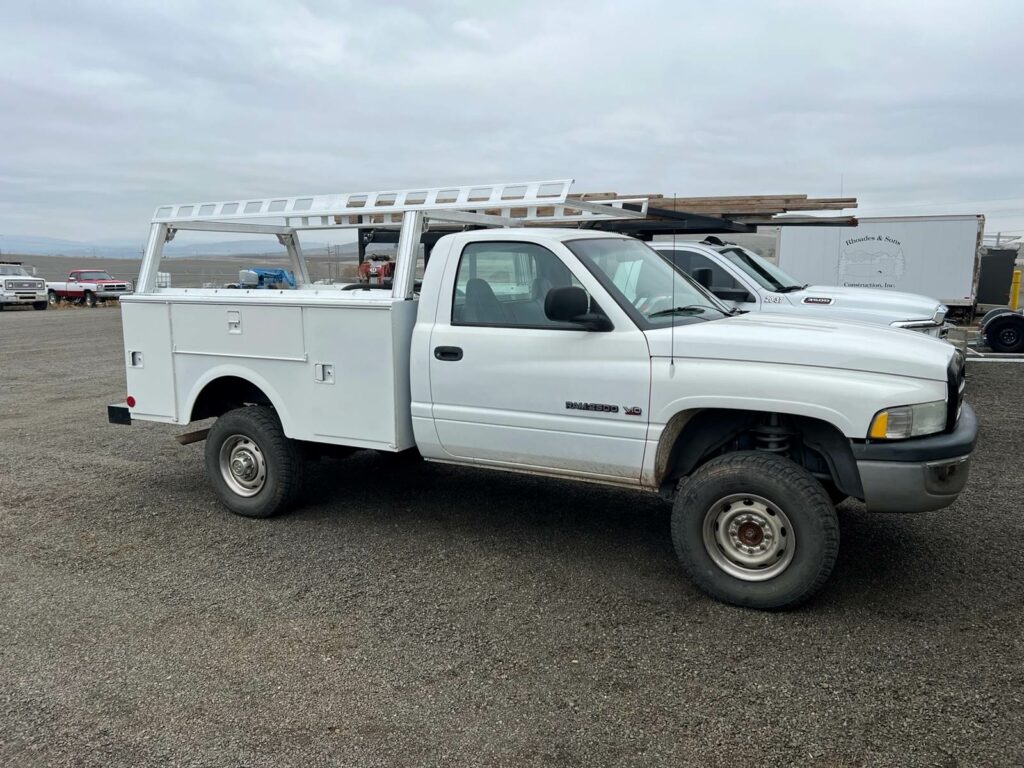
[
  {"x": 509, "y": 204},
  {"x": 492, "y": 205}
]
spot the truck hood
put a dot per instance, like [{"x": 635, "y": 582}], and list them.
[
  {"x": 874, "y": 304},
  {"x": 790, "y": 340}
]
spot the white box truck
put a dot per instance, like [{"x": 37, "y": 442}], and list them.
[
  {"x": 571, "y": 353},
  {"x": 935, "y": 256}
]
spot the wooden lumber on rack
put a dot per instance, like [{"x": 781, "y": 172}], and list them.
[{"x": 738, "y": 207}]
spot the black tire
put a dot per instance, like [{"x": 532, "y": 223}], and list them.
[
  {"x": 89, "y": 299},
  {"x": 52, "y": 298},
  {"x": 40, "y": 305},
  {"x": 263, "y": 442},
  {"x": 1006, "y": 333},
  {"x": 770, "y": 494}
]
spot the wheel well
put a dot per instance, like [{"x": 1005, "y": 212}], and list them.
[
  {"x": 692, "y": 438},
  {"x": 225, "y": 394}
]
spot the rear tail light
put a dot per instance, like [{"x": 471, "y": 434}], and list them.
[{"x": 130, "y": 400}]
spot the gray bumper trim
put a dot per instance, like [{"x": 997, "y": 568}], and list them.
[{"x": 906, "y": 486}]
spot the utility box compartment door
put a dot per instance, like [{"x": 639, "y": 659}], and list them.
[
  {"x": 266, "y": 332},
  {"x": 148, "y": 362},
  {"x": 359, "y": 374}
]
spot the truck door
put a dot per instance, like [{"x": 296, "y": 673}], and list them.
[{"x": 511, "y": 387}]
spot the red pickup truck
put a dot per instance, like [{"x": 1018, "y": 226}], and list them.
[{"x": 87, "y": 286}]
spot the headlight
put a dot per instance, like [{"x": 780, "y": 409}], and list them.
[{"x": 908, "y": 421}]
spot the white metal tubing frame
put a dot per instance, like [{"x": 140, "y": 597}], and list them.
[
  {"x": 437, "y": 199},
  {"x": 492, "y": 205},
  {"x": 404, "y": 278}
]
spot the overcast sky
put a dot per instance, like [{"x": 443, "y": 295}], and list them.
[{"x": 108, "y": 109}]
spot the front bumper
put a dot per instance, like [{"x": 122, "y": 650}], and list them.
[
  {"x": 111, "y": 294},
  {"x": 22, "y": 297},
  {"x": 920, "y": 474}
]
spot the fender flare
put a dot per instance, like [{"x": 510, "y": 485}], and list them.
[
  {"x": 246, "y": 374},
  {"x": 992, "y": 314}
]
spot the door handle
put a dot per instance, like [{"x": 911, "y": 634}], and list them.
[{"x": 448, "y": 353}]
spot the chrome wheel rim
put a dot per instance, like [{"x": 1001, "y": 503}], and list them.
[
  {"x": 749, "y": 537},
  {"x": 242, "y": 465}
]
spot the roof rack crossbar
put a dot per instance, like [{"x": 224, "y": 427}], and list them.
[{"x": 507, "y": 204}]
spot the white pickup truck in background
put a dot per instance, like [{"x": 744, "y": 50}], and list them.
[
  {"x": 746, "y": 281},
  {"x": 19, "y": 288},
  {"x": 571, "y": 353}
]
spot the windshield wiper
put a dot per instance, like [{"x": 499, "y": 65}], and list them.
[
  {"x": 690, "y": 309},
  {"x": 791, "y": 288}
]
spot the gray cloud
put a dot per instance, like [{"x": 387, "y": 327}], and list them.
[{"x": 109, "y": 109}]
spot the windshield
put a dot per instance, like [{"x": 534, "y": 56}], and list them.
[
  {"x": 94, "y": 275},
  {"x": 640, "y": 279},
  {"x": 764, "y": 272},
  {"x": 9, "y": 270}
]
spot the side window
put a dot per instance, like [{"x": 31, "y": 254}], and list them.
[
  {"x": 505, "y": 284},
  {"x": 713, "y": 276}
]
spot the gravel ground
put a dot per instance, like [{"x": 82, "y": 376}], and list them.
[{"x": 426, "y": 615}]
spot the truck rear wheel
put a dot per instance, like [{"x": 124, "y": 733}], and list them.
[
  {"x": 255, "y": 470},
  {"x": 755, "y": 529},
  {"x": 53, "y": 298}
]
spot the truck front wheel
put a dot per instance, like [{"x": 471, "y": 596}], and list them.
[
  {"x": 755, "y": 529},
  {"x": 255, "y": 470},
  {"x": 89, "y": 299}
]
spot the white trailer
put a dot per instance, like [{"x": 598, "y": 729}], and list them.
[
  {"x": 570, "y": 353},
  {"x": 935, "y": 256}
]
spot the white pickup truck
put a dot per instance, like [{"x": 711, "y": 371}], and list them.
[
  {"x": 744, "y": 280},
  {"x": 18, "y": 288},
  {"x": 564, "y": 352}
]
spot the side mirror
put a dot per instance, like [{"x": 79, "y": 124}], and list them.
[{"x": 571, "y": 305}]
